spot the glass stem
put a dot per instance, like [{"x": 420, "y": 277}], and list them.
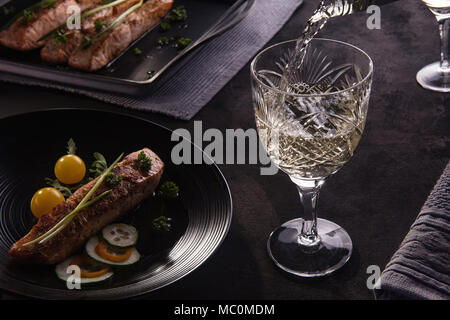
[
  {"x": 445, "y": 44},
  {"x": 309, "y": 193}
]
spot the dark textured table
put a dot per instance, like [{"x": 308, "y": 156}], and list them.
[{"x": 375, "y": 197}]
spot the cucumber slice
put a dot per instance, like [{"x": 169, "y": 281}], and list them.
[
  {"x": 61, "y": 272},
  {"x": 120, "y": 235},
  {"x": 90, "y": 250}
]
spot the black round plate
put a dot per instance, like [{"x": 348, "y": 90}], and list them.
[{"x": 29, "y": 146}]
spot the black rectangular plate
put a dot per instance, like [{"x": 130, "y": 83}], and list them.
[{"x": 129, "y": 73}]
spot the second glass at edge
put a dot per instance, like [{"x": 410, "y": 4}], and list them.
[{"x": 310, "y": 130}]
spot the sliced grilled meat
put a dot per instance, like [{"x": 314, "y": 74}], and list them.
[
  {"x": 111, "y": 44},
  {"x": 22, "y": 35},
  {"x": 57, "y": 50},
  {"x": 136, "y": 185}
]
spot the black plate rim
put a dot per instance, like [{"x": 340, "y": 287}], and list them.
[{"x": 229, "y": 203}]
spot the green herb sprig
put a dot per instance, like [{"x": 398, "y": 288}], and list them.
[
  {"x": 168, "y": 190},
  {"x": 71, "y": 147},
  {"x": 113, "y": 180},
  {"x": 178, "y": 14},
  {"x": 164, "y": 26},
  {"x": 58, "y": 186},
  {"x": 61, "y": 37},
  {"x": 183, "y": 42},
  {"x": 162, "y": 223},
  {"x": 144, "y": 161},
  {"x": 99, "y": 25},
  {"x": 98, "y": 166}
]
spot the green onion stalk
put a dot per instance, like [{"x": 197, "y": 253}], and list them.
[
  {"x": 89, "y": 41},
  {"x": 84, "y": 15},
  {"x": 84, "y": 203}
]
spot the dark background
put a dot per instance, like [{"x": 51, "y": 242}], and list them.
[{"x": 375, "y": 197}]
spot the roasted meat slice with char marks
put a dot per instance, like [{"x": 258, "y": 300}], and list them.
[
  {"x": 136, "y": 186},
  {"x": 111, "y": 44},
  {"x": 58, "y": 51},
  {"x": 24, "y": 36}
]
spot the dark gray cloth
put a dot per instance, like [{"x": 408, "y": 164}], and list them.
[
  {"x": 214, "y": 65},
  {"x": 420, "y": 269}
]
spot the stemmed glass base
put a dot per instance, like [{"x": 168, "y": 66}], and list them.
[
  {"x": 309, "y": 259},
  {"x": 434, "y": 77}
]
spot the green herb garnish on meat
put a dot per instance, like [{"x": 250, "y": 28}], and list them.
[
  {"x": 28, "y": 15},
  {"x": 99, "y": 25},
  {"x": 144, "y": 161},
  {"x": 60, "y": 37},
  {"x": 86, "y": 42},
  {"x": 168, "y": 190},
  {"x": 113, "y": 180},
  {"x": 162, "y": 223}
]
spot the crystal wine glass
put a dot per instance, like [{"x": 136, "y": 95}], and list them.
[
  {"x": 310, "y": 130},
  {"x": 436, "y": 76}
]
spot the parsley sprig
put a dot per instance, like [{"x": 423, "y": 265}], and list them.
[
  {"x": 178, "y": 14},
  {"x": 144, "y": 161},
  {"x": 113, "y": 180},
  {"x": 168, "y": 190},
  {"x": 162, "y": 223}
]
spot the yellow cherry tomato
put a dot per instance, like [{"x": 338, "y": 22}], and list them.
[
  {"x": 44, "y": 200},
  {"x": 70, "y": 169}
]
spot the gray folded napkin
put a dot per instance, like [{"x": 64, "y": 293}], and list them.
[
  {"x": 420, "y": 269},
  {"x": 194, "y": 85}
]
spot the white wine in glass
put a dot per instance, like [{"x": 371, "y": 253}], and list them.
[
  {"x": 436, "y": 76},
  {"x": 310, "y": 128}
]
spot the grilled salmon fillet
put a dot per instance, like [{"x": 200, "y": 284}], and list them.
[
  {"x": 59, "y": 52},
  {"x": 111, "y": 44},
  {"x": 24, "y": 36},
  {"x": 136, "y": 186}
]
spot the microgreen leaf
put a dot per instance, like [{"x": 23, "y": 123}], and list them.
[
  {"x": 71, "y": 147},
  {"x": 58, "y": 186}
]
